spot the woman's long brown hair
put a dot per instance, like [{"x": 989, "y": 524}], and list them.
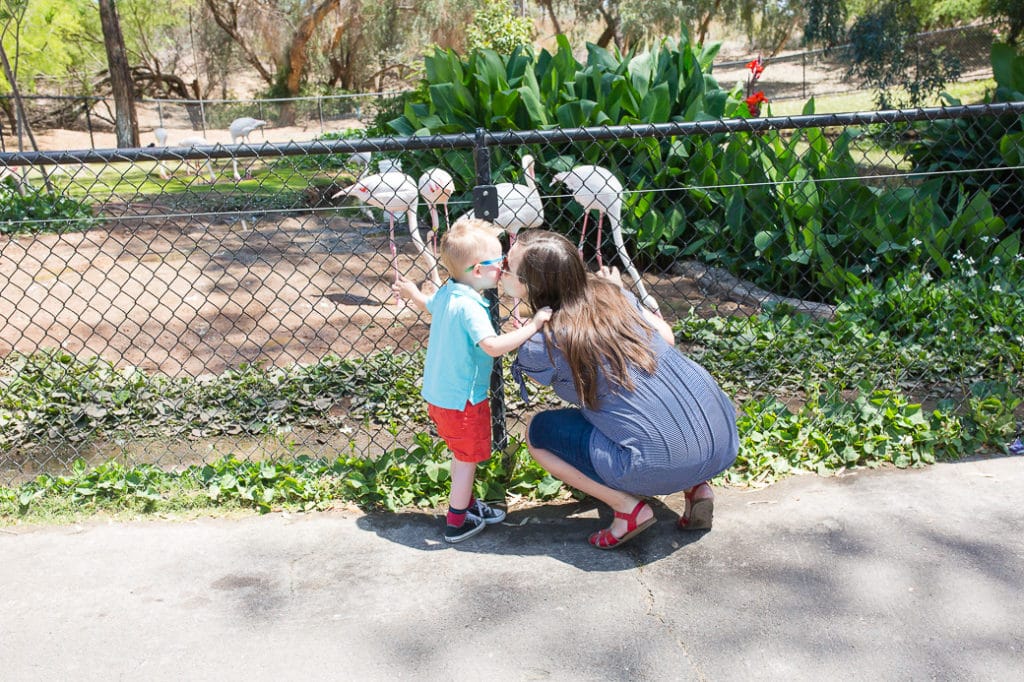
[{"x": 594, "y": 324}]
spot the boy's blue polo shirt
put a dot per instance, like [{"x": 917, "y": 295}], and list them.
[{"x": 456, "y": 369}]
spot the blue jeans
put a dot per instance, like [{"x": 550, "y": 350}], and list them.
[{"x": 566, "y": 434}]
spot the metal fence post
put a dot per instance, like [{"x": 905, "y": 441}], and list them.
[{"x": 485, "y": 207}]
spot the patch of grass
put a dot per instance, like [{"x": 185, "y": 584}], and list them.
[{"x": 970, "y": 92}]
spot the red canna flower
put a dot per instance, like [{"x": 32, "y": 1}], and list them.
[
  {"x": 756, "y": 67},
  {"x": 755, "y": 101}
]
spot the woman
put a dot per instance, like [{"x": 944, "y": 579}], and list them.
[{"x": 650, "y": 421}]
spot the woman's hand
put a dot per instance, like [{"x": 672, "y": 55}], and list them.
[{"x": 611, "y": 274}]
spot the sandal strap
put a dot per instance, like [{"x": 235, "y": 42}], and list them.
[
  {"x": 604, "y": 538},
  {"x": 630, "y": 518}
]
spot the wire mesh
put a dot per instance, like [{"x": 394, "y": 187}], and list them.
[{"x": 174, "y": 304}]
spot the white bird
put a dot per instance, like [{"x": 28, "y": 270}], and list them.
[
  {"x": 519, "y": 205},
  {"x": 436, "y": 187},
  {"x": 389, "y": 166},
  {"x": 594, "y": 187},
  {"x": 161, "y": 139},
  {"x": 240, "y": 129},
  {"x": 394, "y": 193},
  {"x": 199, "y": 141}
]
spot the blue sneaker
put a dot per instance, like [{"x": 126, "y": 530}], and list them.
[{"x": 486, "y": 513}]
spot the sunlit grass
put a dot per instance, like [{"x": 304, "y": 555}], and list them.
[{"x": 971, "y": 92}]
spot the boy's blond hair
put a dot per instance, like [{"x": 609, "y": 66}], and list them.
[{"x": 466, "y": 243}]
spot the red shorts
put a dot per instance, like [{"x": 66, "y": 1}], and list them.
[{"x": 467, "y": 432}]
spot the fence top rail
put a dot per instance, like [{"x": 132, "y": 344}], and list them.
[{"x": 511, "y": 138}]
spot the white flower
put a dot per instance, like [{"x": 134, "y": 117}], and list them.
[
  {"x": 995, "y": 260},
  {"x": 996, "y": 288},
  {"x": 926, "y": 277},
  {"x": 916, "y": 242}
]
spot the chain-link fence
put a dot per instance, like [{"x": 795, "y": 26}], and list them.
[
  {"x": 164, "y": 122},
  {"x": 171, "y": 305}
]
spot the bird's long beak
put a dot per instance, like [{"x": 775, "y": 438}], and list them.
[
  {"x": 559, "y": 177},
  {"x": 344, "y": 193}
]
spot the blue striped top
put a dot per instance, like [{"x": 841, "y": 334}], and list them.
[{"x": 676, "y": 429}]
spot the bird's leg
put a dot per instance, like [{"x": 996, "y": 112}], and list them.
[
  {"x": 583, "y": 233},
  {"x": 234, "y": 165},
  {"x": 600, "y": 219},
  {"x": 433, "y": 229},
  {"x": 620, "y": 245},
  {"x": 394, "y": 253}
]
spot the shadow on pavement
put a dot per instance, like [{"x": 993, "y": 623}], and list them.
[{"x": 558, "y": 530}]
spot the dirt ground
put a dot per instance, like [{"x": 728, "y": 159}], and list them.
[{"x": 188, "y": 298}]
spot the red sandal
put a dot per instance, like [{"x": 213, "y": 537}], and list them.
[
  {"x": 604, "y": 539},
  {"x": 699, "y": 513}
]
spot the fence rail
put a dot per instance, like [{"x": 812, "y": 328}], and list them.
[{"x": 175, "y": 304}]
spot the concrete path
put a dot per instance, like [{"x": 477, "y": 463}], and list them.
[{"x": 909, "y": 575}]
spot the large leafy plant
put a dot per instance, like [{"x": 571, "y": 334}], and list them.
[
  {"x": 992, "y": 144},
  {"x": 787, "y": 210}
]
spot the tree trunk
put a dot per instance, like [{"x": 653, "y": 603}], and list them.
[
  {"x": 554, "y": 19},
  {"x": 297, "y": 56},
  {"x": 705, "y": 23},
  {"x": 230, "y": 26},
  {"x": 22, "y": 119},
  {"x": 611, "y": 30},
  {"x": 126, "y": 125}
]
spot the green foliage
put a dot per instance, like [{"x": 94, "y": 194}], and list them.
[
  {"x": 826, "y": 22},
  {"x": 990, "y": 144},
  {"x": 828, "y": 434},
  {"x": 786, "y": 211},
  {"x": 913, "y": 330},
  {"x": 54, "y": 396},
  {"x": 400, "y": 478},
  {"x": 887, "y": 56},
  {"x": 38, "y": 210},
  {"x": 496, "y": 27},
  {"x": 1009, "y": 13}
]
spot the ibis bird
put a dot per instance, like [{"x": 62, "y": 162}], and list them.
[
  {"x": 161, "y": 139},
  {"x": 597, "y": 188},
  {"x": 394, "y": 193},
  {"x": 240, "y": 129},
  {"x": 436, "y": 187},
  {"x": 199, "y": 141},
  {"x": 519, "y": 205}
]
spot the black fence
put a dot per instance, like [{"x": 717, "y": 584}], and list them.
[{"x": 172, "y": 305}]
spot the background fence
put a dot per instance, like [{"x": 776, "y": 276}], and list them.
[
  {"x": 174, "y": 305},
  {"x": 812, "y": 73}
]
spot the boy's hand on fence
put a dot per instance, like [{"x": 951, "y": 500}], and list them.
[
  {"x": 403, "y": 288},
  {"x": 611, "y": 274},
  {"x": 406, "y": 290}
]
